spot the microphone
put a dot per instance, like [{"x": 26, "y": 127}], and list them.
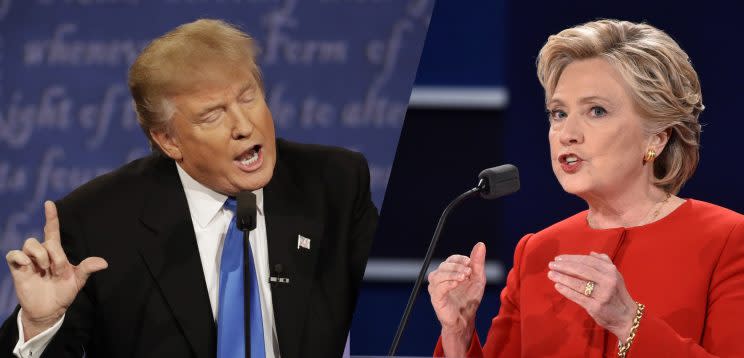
[
  {"x": 246, "y": 221},
  {"x": 246, "y": 212},
  {"x": 498, "y": 181},
  {"x": 492, "y": 183}
]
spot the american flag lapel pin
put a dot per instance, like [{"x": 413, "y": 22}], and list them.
[{"x": 303, "y": 242}]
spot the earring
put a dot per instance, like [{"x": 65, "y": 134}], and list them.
[{"x": 650, "y": 155}]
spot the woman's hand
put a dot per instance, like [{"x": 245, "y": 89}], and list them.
[
  {"x": 456, "y": 289},
  {"x": 609, "y": 303}
]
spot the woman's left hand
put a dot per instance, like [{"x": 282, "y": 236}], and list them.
[{"x": 609, "y": 303}]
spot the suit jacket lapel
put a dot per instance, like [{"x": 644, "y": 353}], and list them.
[
  {"x": 287, "y": 216},
  {"x": 172, "y": 256}
]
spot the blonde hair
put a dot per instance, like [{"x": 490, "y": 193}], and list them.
[
  {"x": 176, "y": 62},
  {"x": 665, "y": 87}
]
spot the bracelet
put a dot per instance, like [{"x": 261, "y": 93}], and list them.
[{"x": 622, "y": 349}]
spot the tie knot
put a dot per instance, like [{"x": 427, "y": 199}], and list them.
[{"x": 231, "y": 204}]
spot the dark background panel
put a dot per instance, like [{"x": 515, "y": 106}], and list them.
[
  {"x": 469, "y": 45},
  {"x": 432, "y": 170},
  {"x": 420, "y": 186}
]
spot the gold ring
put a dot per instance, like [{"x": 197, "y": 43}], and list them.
[{"x": 588, "y": 288}]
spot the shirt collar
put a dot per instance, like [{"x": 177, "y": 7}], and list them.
[{"x": 205, "y": 203}]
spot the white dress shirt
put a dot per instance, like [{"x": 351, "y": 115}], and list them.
[{"x": 211, "y": 221}]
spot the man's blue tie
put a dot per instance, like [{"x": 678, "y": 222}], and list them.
[{"x": 231, "y": 317}]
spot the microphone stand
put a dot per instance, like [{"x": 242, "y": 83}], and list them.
[
  {"x": 246, "y": 222},
  {"x": 247, "y": 293},
  {"x": 482, "y": 185}
]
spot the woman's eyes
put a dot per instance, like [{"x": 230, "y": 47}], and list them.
[
  {"x": 598, "y": 111},
  {"x": 556, "y": 114}
]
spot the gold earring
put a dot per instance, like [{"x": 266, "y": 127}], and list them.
[{"x": 650, "y": 155}]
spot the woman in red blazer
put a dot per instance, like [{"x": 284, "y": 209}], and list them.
[{"x": 642, "y": 272}]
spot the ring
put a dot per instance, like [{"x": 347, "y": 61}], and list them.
[{"x": 589, "y": 288}]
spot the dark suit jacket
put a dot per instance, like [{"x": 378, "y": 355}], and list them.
[{"x": 152, "y": 300}]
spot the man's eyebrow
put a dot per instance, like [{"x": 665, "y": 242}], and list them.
[{"x": 247, "y": 87}]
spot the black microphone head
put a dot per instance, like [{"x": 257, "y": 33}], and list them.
[
  {"x": 246, "y": 213},
  {"x": 498, "y": 181}
]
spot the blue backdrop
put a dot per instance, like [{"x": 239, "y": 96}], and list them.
[{"x": 337, "y": 72}]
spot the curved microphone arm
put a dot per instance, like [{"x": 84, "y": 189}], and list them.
[{"x": 482, "y": 185}]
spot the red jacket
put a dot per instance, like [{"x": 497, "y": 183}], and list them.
[{"x": 687, "y": 268}]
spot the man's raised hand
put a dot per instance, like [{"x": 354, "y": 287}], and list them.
[{"x": 46, "y": 282}]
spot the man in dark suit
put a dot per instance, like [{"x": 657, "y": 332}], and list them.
[{"x": 155, "y": 228}]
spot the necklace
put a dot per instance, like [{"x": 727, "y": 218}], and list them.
[
  {"x": 654, "y": 215},
  {"x": 658, "y": 209}
]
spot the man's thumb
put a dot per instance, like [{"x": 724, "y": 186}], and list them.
[{"x": 90, "y": 266}]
